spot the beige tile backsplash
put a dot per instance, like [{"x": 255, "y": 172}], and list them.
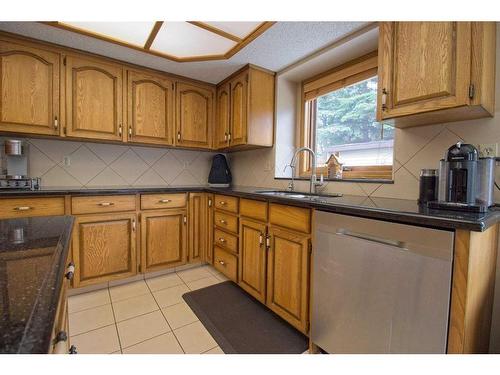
[{"x": 100, "y": 165}]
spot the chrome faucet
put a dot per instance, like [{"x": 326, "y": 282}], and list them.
[{"x": 314, "y": 183}]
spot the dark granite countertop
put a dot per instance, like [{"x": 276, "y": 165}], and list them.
[
  {"x": 389, "y": 209},
  {"x": 33, "y": 253}
]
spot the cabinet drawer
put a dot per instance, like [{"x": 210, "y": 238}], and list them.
[
  {"x": 225, "y": 263},
  {"x": 155, "y": 201},
  {"x": 226, "y": 221},
  {"x": 226, "y": 203},
  {"x": 28, "y": 207},
  {"x": 226, "y": 240},
  {"x": 102, "y": 203},
  {"x": 253, "y": 209},
  {"x": 290, "y": 217}
]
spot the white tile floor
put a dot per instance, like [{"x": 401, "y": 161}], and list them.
[{"x": 144, "y": 316}]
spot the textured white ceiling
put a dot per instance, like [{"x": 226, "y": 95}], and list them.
[{"x": 283, "y": 44}]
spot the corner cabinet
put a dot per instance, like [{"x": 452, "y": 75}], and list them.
[
  {"x": 431, "y": 72},
  {"x": 222, "y": 117},
  {"x": 104, "y": 248},
  {"x": 29, "y": 85},
  {"x": 245, "y": 118},
  {"x": 94, "y": 99},
  {"x": 150, "y": 108},
  {"x": 194, "y": 115}
]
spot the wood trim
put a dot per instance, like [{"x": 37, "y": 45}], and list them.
[
  {"x": 152, "y": 35},
  {"x": 241, "y": 44},
  {"x": 216, "y": 31},
  {"x": 472, "y": 291},
  {"x": 250, "y": 38},
  {"x": 354, "y": 67}
]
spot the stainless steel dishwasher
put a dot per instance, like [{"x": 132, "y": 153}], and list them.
[{"x": 380, "y": 287}]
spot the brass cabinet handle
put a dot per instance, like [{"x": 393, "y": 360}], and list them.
[
  {"x": 178, "y": 136},
  {"x": 222, "y": 240},
  {"x": 23, "y": 208},
  {"x": 120, "y": 130},
  {"x": 130, "y": 131},
  {"x": 56, "y": 123},
  {"x": 222, "y": 221},
  {"x": 261, "y": 239},
  {"x": 223, "y": 203},
  {"x": 384, "y": 99},
  {"x": 268, "y": 241},
  {"x": 209, "y": 203},
  {"x": 106, "y": 204},
  {"x": 133, "y": 225},
  {"x": 225, "y": 137},
  {"x": 221, "y": 262},
  {"x": 229, "y": 137},
  {"x": 164, "y": 201}
]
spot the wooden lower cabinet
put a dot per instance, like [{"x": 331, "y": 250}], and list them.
[
  {"x": 209, "y": 255},
  {"x": 252, "y": 262},
  {"x": 104, "y": 248},
  {"x": 197, "y": 227},
  {"x": 163, "y": 239},
  {"x": 288, "y": 276}
]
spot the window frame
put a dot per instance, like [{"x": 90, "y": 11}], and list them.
[{"x": 347, "y": 74}]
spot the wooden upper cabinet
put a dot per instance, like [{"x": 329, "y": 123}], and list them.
[
  {"x": 150, "y": 109},
  {"x": 163, "y": 239},
  {"x": 427, "y": 71},
  {"x": 222, "y": 117},
  {"x": 239, "y": 107},
  {"x": 194, "y": 115},
  {"x": 251, "y": 109},
  {"x": 104, "y": 248},
  {"x": 252, "y": 258},
  {"x": 288, "y": 276},
  {"x": 94, "y": 99},
  {"x": 29, "y": 85}
]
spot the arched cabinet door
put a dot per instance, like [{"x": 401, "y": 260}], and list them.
[
  {"x": 150, "y": 109},
  {"x": 94, "y": 99},
  {"x": 222, "y": 117},
  {"x": 194, "y": 116},
  {"x": 29, "y": 85},
  {"x": 239, "y": 106}
]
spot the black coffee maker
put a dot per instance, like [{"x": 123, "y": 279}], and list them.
[{"x": 462, "y": 160}]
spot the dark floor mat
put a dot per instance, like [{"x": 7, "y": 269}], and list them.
[{"x": 242, "y": 325}]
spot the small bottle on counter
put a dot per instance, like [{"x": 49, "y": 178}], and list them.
[{"x": 428, "y": 186}]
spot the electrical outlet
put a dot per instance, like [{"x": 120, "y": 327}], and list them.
[
  {"x": 67, "y": 161},
  {"x": 487, "y": 149}
]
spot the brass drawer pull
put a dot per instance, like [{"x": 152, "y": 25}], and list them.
[
  {"x": 222, "y": 263},
  {"x": 222, "y": 221},
  {"x": 23, "y": 208},
  {"x": 222, "y": 240},
  {"x": 223, "y": 203},
  {"x": 106, "y": 204},
  {"x": 164, "y": 201}
]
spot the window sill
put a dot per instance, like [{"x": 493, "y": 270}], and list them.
[{"x": 361, "y": 180}]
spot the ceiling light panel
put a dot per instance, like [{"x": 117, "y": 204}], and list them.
[
  {"x": 239, "y": 29},
  {"x": 181, "y": 39},
  {"x": 136, "y": 33}
]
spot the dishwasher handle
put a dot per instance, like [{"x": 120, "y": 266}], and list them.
[{"x": 399, "y": 244}]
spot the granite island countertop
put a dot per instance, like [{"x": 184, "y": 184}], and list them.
[
  {"x": 33, "y": 254},
  {"x": 390, "y": 209}
]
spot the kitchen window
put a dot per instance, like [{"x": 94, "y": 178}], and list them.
[{"x": 340, "y": 125}]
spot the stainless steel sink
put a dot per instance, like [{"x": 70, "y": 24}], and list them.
[{"x": 298, "y": 195}]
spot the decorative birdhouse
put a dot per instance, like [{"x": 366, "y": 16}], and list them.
[{"x": 334, "y": 166}]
